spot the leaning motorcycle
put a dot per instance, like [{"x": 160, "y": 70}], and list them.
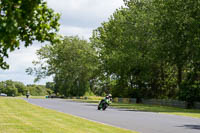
[{"x": 104, "y": 103}]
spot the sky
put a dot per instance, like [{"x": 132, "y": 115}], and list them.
[{"x": 78, "y": 17}]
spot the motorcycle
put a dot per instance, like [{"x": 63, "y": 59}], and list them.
[{"x": 104, "y": 103}]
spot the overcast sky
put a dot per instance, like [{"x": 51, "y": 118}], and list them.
[{"x": 78, "y": 17}]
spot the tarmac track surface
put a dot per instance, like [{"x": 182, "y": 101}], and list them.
[{"x": 143, "y": 122}]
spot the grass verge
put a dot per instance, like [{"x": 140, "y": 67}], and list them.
[
  {"x": 195, "y": 113},
  {"x": 33, "y": 97},
  {"x": 18, "y": 116}
]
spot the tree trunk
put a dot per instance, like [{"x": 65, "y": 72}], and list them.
[{"x": 179, "y": 76}]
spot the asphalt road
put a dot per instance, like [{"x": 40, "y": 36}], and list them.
[{"x": 143, "y": 122}]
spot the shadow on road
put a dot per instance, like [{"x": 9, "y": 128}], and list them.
[{"x": 197, "y": 127}]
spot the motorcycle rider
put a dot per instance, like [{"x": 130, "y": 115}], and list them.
[
  {"x": 27, "y": 94},
  {"x": 107, "y": 99}
]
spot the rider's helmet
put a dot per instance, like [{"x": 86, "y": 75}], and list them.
[{"x": 109, "y": 96}]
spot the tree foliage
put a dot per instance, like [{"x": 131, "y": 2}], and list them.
[
  {"x": 72, "y": 62},
  {"x": 15, "y": 88},
  {"x": 151, "y": 49},
  {"x": 147, "y": 49},
  {"x": 25, "y": 21},
  {"x": 38, "y": 90}
]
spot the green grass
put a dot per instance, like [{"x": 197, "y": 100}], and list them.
[
  {"x": 34, "y": 97},
  {"x": 18, "y": 116},
  {"x": 195, "y": 113}
]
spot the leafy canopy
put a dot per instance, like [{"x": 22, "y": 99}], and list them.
[
  {"x": 72, "y": 62},
  {"x": 25, "y": 21}
]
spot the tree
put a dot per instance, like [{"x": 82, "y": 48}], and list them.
[
  {"x": 22, "y": 89},
  {"x": 124, "y": 44},
  {"x": 150, "y": 49},
  {"x": 9, "y": 88},
  {"x": 25, "y": 21},
  {"x": 1, "y": 86},
  {"x": 37, "y": 90},
  {"x": 177, "y": 28},
  {"x": 15, "y": 88},
  {"x": 72, "y": 62},
  {"x": 51, "y": 87},
  {"x": 178, "y": 32}
]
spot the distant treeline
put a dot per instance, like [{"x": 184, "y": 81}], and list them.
[{"x": 14, "y": 88}]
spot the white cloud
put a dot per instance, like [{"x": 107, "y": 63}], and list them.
[
  {"x": 19, "y": 60},
  {"x": 22, "y": 57},
  {"x": 85, "y": 13},
  {"x": 73, "y": 31},
  {"x": 79, "y": 17}
]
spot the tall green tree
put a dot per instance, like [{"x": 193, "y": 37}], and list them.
[
  {"x": 177, "y": 28},
  {"x": 150, "y": 49},
  {"x": 72, "y": 62},
  {"x": 124, "y": 44},
  {"x": 25, "y": 21}
]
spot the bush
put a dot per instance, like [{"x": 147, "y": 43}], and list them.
[{"x": 190, "y": 92}]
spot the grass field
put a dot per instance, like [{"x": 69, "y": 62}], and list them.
[
  {"x": 18, "y": 116},
  {"x": 160, "y": 109},
  {"x": 195, "y": 113},
  {"x": 34, "y": 97}
]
